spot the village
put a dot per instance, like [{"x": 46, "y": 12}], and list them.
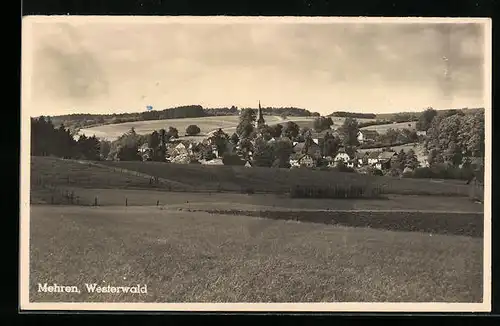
[{"x": 307, "y": 151}]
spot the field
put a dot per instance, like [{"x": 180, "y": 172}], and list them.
[
  {"x": 206, "y": 124},
  {"x": 193, "y": 177},
  {"x": 381, "y": 129},
  {"x": 417, "y": 148},
  {"x": 196, "y": 257},
  {"x": 192, "y": 246}
]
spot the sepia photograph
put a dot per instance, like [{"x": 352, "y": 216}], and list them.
[{"x": 255, "y": 163}]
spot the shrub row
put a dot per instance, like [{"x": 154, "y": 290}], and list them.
[
  {"x": 441, "y": 172},
  {"x": 338, "y": 191},
  {"x": 465, "y": 224}
]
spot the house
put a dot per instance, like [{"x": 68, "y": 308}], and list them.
[
  {"x": 181, "y": 149},
  {"x": 421, "y": 133},
  {"x": 144, "y": 148},
  {"x": 215, "y": 161},
  {"x": 314, "y": 150},
  {"x": 373, "y": 158},
  {"x": 361, "y": 158},
  {"x": 330, "y": 161},
  {"x": 317, "y": 136},
  {"x": 367, "y": 135},
  {"x": 384, "y": 160},
  {"x": 298, "y": 160},
  {"x": 248, "y": 164},
  {"x": 343, "y": 157}
]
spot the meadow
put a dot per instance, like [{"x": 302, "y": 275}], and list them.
[
  {"x": 194, "y": 177},
  {"x": 190, "y": 245},
  {"x": 206, "y": 125},
  {"x": 198, "y": 257},
  {"x": 381, "y": 129}
]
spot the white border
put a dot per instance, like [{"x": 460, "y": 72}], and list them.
[{"x": 312, "y": 307}]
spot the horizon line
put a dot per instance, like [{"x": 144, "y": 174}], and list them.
[{"x": 263, "y": 107}]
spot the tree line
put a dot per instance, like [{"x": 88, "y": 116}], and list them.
[
  {"x": 77, "y": 121},
  {"x": 46, "y": 140}
]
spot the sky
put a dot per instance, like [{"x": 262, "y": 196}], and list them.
[{"x": 104, "y": 67}]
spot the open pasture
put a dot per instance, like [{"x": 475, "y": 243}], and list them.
[
  {"x": 206, "y": 124},
  {"x": 382, "y": 129},
  {"x": 238, "y": 178},
  {"x": 198, "y": 257},
  {"x": 195, "y": 177}
]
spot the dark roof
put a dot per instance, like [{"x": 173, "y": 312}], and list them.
[
  {"x": 298, "y": 156},
  {"x": 373, "y": 154},
  {"x": 386, "y": 155},
  {"x": 368, "y": 132},
  {"x": 321, "y": 134},
  {"x": 298, "y": 147},
  {"x": 360, "y": 155}
]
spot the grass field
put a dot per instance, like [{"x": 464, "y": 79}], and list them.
[
  {"x": 206, "y": 124},
  {"x": 230, "y": 178},
  {"x": 236, "y": 178},
  {"x": 381, "y": 129},
  {"x": 198, "y": 257},
  {"x": 185, "y": 254}
]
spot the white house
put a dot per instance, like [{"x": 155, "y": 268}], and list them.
[
  {"x": 180, "y": 149},
  {"x": 373, "y": 158},
  {"x": 297, "y": 160},
  {"x": 144, "y": 148},
  {"x": 384, "y": 160},
  {"x": 361, "y": 158},
  {"x": 367, "y": 134},
  {"x": 343, "y": 157}
]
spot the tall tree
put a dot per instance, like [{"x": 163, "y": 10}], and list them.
[
  {"x": 349, "y": 132},
  {"x": 263, "y": 153},
  {"x": 398, "y": 161},
  {"x": 246, "y": 123},
  {"x": 234, "y": 138},
  {"x": 425, "y": 119},
  {"x": 411, "y": 159},
  {"x": 322, "y": 123},
  {"x": 282, "y": 149},
  {"x": 220, "y": 139},
  {"x": 172, "y": 132},
  {"x": 290, "y": 130}
]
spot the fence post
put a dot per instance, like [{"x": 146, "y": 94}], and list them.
[
  {"x": 95, "y": 201},
  {"x": 72, "y": 196},
  {"x": 157, "y": 203},
  {"x": 126, "y": 201}
]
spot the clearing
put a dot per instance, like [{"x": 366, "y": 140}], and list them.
[
  {"x": 206, "y": 124},
  {"x": 381, "y": 129}
]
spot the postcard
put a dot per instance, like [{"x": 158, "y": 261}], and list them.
[{"x": 255, "y": 164}]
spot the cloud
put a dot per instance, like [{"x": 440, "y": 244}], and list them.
[{"x": 318, "y": 66}]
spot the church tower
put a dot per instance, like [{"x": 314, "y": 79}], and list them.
[{"x": 260, "y": 118}]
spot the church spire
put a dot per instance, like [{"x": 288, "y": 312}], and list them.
[{"x": 260, "y": 117}]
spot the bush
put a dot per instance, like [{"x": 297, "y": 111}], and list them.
[
  {"x": 231, "y": 159},
  {"x": 442, "y": 171},
  {"x": 341, "y": 167},
  {"x": 193, "y": 130},
  {"x": 339, "y": 191}
]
